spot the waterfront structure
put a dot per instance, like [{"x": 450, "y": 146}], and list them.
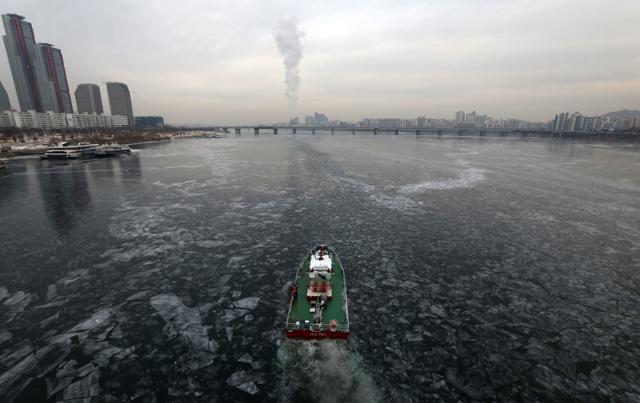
[
  {"x": 25, "y": 119},
  {"x": 5, "y": 105},
  {"x": 120, "y": 121},
  {"x": 55, "y": 79},
  {"x": 459, "y": 118},
  {"x": 37, "y": 68},
  {"x": 6, "y": 119},
  {"x": 89, "y": 99},
  {"x": 318, "y": 119},
  {"x": 321, "y": 119},
  {"x": 577, "y": 122},
  {"x": 120, "y": 101},
  {"x": 149, "y": 121},
  {"x": 54, "y": 120},
  {"x": 89, "y": 120},
  {"x": 20, "y": 44}
]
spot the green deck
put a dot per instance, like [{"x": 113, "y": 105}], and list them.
[{"x": 334, "y": 309}]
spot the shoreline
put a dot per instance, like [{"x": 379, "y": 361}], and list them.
[{"x": 25, "y": 153}]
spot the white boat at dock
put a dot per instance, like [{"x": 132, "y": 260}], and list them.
[
  {"x": 110, "y": 150},
  {"x": 71, "y": 151}
]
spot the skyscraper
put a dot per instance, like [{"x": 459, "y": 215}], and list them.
[
  {"x": 55, "y": 77},
  {"x": 20, "y": 44},
  {"x": 5, "y": 105},
  {"x": 120, "y": 101},
  {"x": 37, "y": 69},
  {"x": 88, "y": 99}
]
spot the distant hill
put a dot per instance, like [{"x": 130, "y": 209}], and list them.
[{"x": 623, "y": 113}]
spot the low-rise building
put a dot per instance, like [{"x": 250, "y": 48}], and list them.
[
  {"x": 119, "y": 121},
  {"x": 151, "y": 121},
  {"x": 6, "y": 119}
]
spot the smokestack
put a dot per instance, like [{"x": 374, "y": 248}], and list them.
[{"x": 288, "y": 38}]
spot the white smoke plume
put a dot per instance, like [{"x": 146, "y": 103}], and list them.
[{"x": 288, "y": 36}]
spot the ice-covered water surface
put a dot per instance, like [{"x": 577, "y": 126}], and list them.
[{"x": 478, "y": 269}]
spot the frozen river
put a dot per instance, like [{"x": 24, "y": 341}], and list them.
[{"x": 478, "y": 269}]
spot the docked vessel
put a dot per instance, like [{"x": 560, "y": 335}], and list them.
[
  {"x": 110, "y": 150},
  {"x": 318, "y": 308},
  {"x": 71, "y": 151}
]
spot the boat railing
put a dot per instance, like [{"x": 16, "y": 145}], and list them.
[{"x": 316, "y": 327}]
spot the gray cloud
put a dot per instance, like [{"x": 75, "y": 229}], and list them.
[{"x": 215, "y": 61}]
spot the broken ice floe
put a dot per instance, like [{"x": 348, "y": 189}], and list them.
[
  {"x": 52, "y": 292},
  {"x": 247, "y": 303},
  {"x": 184, "y": 321},
  {"x": 3, "y": 293},
  {"x": 138, "y": 296},
  {"x": 5, "y": 335},
  {"x": 16, "y": 303},
  {"x": 86, "y": 387},
  {"x": 27, "y": 361},
  {"x": 242, "y": 307},
  {"x": 243, "y": 381}
]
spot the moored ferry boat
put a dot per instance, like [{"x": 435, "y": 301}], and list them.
[
  {"x": 318, "y": 308},
  {"x": 109, "y": 150},
  {"x": 71, "y": 151}
]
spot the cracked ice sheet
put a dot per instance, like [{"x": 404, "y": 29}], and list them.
[{"x": 184, "y": 320}]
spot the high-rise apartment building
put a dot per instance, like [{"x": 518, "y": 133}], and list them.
[
  {"x": 37, "y": 68},
  {"x": 5, "y": 105},
  {"x": 120, "y": 101},
  {"x": 89, "y": 99},
  {"x": 460, "y": 118},
  {"x": 55, "y": 78},
  {"x": 20, "y": 44}
]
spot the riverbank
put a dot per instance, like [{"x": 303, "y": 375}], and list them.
[{"x": 37, "y": 145}]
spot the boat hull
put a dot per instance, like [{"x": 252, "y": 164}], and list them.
[{"x": 313, "y": 335}]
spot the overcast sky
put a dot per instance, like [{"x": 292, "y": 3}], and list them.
[{"x": 218, "y": 62}]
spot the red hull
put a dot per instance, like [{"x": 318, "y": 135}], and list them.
[{"x": 311, "y": 335}]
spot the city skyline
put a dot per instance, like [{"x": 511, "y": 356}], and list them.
[{"x": 517, "y": 60}]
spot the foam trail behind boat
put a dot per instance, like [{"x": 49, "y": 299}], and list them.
[{"x": 323, "y": 372}]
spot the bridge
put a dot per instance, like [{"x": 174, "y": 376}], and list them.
[{"x": 275, "y": 129}]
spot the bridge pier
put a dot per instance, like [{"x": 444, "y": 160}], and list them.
[
  {"x": 375, "y": 130},
  {"x": 353, "y": 132},
  {"x": 237, "y": 131},
  {"x": 275, "y": 130},
  {"x": 482, "y": 132},
  {"x": 417, "y": 132},
  {"x": 460, "y": 132},
  {"x": 256, "y": 130},
  {"x": 294, "y": 130},
  {"x": 439, "y": 133},
  {"x": 332, "y": 130},
  {"x": 397, "y": 132},
  {"x": 313, "y": 131}
]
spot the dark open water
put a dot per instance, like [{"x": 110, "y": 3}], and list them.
[{"x": 478, "y": 268}]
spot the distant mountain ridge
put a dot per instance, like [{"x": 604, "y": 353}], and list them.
[{"x": 623, "y": 113}]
